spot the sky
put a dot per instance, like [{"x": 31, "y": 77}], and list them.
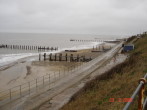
[{"x": 101, "y": 17}]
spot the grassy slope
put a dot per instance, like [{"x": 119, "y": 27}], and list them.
[{"x": 119, "y": 82}]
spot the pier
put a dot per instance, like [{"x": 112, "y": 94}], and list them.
[
  {"x": 82, "y": 40},
  {"x": 97, "y": 40}
]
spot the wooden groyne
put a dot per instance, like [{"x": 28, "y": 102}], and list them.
[
  {"x": 27, "y": 47},
  {"x": 66, "y": 57}
]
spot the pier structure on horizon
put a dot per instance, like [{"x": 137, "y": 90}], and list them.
[{"x": 97, "y": 40}]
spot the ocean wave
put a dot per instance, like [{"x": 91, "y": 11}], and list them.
[{"x": 9, "y": 58}]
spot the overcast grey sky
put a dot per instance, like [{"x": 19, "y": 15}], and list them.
[{"x": 74, "y": 16}]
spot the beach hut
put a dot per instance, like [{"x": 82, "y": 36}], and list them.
[{"x": 128, "y": 47}]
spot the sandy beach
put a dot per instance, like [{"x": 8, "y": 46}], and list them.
[
  {"x": 24, "y": 70},
  {"x": 17, "y": 77}
]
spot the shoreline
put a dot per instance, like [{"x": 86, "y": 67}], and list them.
[
  {"x": 11, "y": 63},
  {"x": 6, "y": 66},
  {"x": 18, "y": 70}
]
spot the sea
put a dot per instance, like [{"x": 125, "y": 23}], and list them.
[{"x": 62, "y": 41}]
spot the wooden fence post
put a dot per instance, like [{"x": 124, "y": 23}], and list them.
[
  {"x": 43, "y": 80},
  {"x": 36, "y": 83},
  {"x": 59, "y": 74},
  {"x": 10, "y": 94},
  {"x": 49, "y": 78},
  {"x": 29, "y": 88},
  {"x": 64, "y": 71},
  {"x": 49, "y": 81},
  {"x": 54, "y": 76},
  {"x": 20, "y": 91}
]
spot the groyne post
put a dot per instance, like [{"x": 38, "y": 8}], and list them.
[
  {"x": 66, "y": 57},
  {"x": 103, "y": 47},
  {"x": 78, "y": 58},
  {"x": 83, "y": 58},
  {"x": 39, "y": 57},
  {"x": 44, "y": 56},
  {"x": 71, "y": 57},
  {"x": 51, "y": 48},
  {"x": 50, "y": 57},
  {"x": 55, "y": 57},
  {"x": 60, "y": 57}
]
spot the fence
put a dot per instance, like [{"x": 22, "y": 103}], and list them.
[
  {"x": 33, "y": 86},
  {"x": 139, "y": 91}
]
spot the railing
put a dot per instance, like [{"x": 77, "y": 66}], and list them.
[
  {"x": 139, "y": 91},
  {"x": 35, "y": 85}
]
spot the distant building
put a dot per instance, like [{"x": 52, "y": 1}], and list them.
[{"x": 128, "y": 47}]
